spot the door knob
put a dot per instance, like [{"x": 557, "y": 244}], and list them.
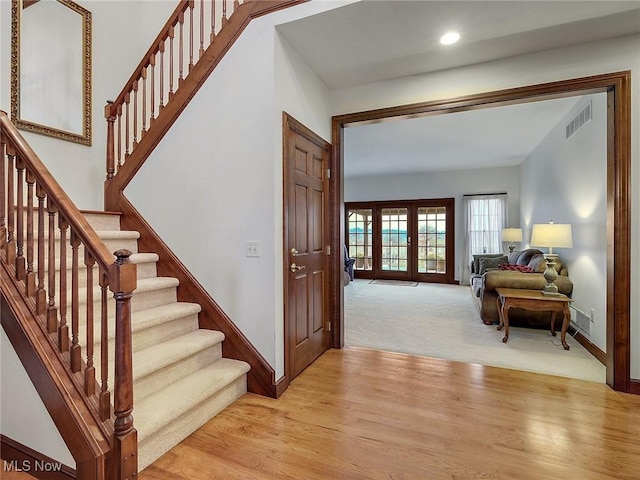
[
  {"x": 295, "y": 268},
  {"x": 294, "y": 252}
]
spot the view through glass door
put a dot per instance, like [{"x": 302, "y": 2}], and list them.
[{"x": 402, "y": 240}]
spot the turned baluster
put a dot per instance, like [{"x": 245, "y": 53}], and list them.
[
  {"x": 144, "y": 102},
  {"x": 152, "y": 63},
  {"x": 224, "y": 12},
  {"x": 63, "y": 327},
  {"x": 212, "y": 35},
  {"x": 105, "y": 396},
  {"x": 111, "y": 162},
  {"x": 52, "y": 310},
  {"x": 20, "y": 263},
  {"x": 236, "y": 4},
  {"x": 30, "y": 276},
  {"x": 76, "y": 357},
  {"x": 161, "y": 50},
  {"x": 135, "y": 114},
  {"x": 171, "y": 35},
  {"x": 122, "y": 282},
  {"x": 181, "y": 48},
  {"x": 127, "y": 99},
  {"x": 41, "y": 294},
  {"x": 201, "y": 50},
  {"x": 191, "y": 7},
  {"x": 119, "y": 114},
  {"x": 10, "y": 247},
  {"x": 3, "y": 200},
  {"x": 90, "y": 370}
]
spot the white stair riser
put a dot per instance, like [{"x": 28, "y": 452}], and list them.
[
  {"x": 140, "y": 301},
  {"x": 147, "y": 269},
  {"x": 160, "y": 379},
  {"x": 152, "y": 447},
  {"x": 147, "y": 337}
]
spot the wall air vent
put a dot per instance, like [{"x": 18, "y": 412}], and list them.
[{"x": 579, "y": 120}]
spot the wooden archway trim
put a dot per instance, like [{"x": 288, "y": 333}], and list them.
[{"x": 617, "y": 85}]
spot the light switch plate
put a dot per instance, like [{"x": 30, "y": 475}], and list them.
[{"x": 253, "y": 248}]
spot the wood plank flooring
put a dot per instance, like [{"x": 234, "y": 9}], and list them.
[{"x": 365, "y": 414}]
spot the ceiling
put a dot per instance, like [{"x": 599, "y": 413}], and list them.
[{"x": 380, "y": 40}]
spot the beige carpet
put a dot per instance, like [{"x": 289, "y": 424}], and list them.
[{"x": 442, "y": 321}]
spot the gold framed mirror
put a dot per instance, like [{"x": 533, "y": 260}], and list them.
[{"x": 51, "y": 68}]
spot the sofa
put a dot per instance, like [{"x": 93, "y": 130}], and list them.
[{"x": 522, "y": 269}]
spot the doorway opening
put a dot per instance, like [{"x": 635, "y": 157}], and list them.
[{"x": 617, "y": 88}]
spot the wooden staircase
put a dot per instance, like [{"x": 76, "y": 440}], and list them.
[
  {"x": 180, "y": 379},
  {"x": 100, "y": 315}
]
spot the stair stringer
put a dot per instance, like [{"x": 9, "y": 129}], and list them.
[{"x": 87, "y": 438}]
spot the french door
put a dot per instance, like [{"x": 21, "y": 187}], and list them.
[{"x": 402, "y": 240}]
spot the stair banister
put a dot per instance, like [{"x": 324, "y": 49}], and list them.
[{"x": 119, "y": 276}]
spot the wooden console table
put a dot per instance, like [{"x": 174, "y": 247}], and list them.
[{"x": 533, "y": 300}]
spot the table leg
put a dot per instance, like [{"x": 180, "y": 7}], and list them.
[
  {"x": 505, "y": 317},
  {"x": 499, "y": 305},
  {"x": 553, "y": 322},
  {"x": 565, "y": 325}
]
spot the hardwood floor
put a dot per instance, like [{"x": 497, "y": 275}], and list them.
[{"x": 365, "y": 414}]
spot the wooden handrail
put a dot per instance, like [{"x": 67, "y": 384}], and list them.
[
  {"x": 37, "y": 276},
  {"x": 131, "y": 142}
]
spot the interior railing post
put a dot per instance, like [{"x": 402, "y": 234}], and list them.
[
  {"x": 20, "y": 263},
  {"x": 3, "y": 200},
  {"x": 122, "y": 282},
  {"x": 105, "y": 397},
  {"x": 111, "y": 161},
  {"x": 10, "y": 247},
  {"x": 41, "y": 294},
  {"x": 89, "y": 371},
  {"x": 52, "y": 310},
  {"x": 30, "y": 278},
  {"x": 76, "y": 357},
  {"x": 63, "y": 327}
]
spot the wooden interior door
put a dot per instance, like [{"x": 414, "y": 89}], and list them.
[{"x": 306, "y": 159}]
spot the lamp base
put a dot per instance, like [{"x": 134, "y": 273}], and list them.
[{"x": 550, "y": 275}]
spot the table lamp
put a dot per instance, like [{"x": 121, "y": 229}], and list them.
[
  {"x": 551, "y": 235},
  {"x": 511, "y": 235}
]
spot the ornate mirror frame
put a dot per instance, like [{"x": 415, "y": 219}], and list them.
[{"x": 83, "y": 135}]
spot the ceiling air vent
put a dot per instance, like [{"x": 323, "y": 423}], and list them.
[{"x": 579, "y": 120}]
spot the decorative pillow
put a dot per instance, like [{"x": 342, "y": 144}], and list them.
[
  {"x": 476, "y": 260},
  {"x": 517, "y": 268},
  {"x": 495, "y": 262}
]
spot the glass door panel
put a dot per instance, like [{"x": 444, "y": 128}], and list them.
[
  {"x": 360, "y": 223},
  {"x": 395, "y": 240},
  {"x": 432, "y": 235}
]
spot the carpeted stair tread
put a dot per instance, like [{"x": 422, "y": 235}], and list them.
[
  {"x": 152, "y": 317},
  {"x": 149, "y": 318},
  {"x": 165, "y": 406},
  {"x": 103, "y": 234},
  {"x": 162, "y": 355},
  {"x": 143, "y": 285}
]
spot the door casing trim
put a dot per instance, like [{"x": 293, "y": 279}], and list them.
[{"x": 617, "y": 85}]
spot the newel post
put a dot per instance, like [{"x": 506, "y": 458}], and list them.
[
  {"x": 122, "y": 282},
  {"x": 111, "y": 163}
]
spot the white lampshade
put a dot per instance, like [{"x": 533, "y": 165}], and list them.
[
  {"x": 511, "y": 234},
  {"x": 551, "y": 235}
]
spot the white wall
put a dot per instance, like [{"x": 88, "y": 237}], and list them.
[
  {"x": 565, "y": 180},
  {"x": 119, "y": 41},
  {"x": 558, "y": 64},
  {"x": 223, "y": 157},
  {"x": 439, "y": 185},
  {"x": 26, "y": 420}
]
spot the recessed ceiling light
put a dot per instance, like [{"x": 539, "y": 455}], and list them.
[{"x": 449, "y": 38}]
